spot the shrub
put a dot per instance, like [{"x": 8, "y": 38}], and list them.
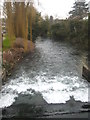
[{"x": 18, "y": 43}]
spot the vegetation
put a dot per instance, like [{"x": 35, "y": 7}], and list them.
[
  {"x": 24, "y": 24},
  {"x": 60, "y": 30},
  {"x": 80, "y": 10},
  {"x": 6, "y": 43},
  {"x": 29, "y": 24},
  {"x": 72, "y": 31},
  {"x": 17, "y": 25}
]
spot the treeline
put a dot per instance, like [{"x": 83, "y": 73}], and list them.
[
  {"x": 75, "y": 28},
  {"x": 40, "y": 27},
  {"x": 73, "y": 31},
  {"x": 16, "y": 20},
  {"x": 23, "y": 21}
]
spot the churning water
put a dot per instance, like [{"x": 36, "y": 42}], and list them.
[{"x": 54, "y": 70}]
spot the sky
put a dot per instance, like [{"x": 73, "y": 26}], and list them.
[{"x": 56, "y": 8}]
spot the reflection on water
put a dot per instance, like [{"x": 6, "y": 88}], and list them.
[{"x": 54, "y": 70}]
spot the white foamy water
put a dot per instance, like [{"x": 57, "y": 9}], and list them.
[
  {"x": 53, "y": 70},
  {"x": 54, "y": 90}
]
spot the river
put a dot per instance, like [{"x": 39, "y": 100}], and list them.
[{"x": 53, "y": 70}]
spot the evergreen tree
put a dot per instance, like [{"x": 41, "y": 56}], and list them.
[{"x": 80, "y": 10}]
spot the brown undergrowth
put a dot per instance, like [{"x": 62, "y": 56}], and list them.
[{"x": 13, "y": 55}]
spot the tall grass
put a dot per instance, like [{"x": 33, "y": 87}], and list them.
[{"x": 6, "y": 43}]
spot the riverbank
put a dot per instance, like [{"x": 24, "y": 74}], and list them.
[{"x": 13, "y": 56}]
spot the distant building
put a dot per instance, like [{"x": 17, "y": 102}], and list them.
[{"x": 51, "y": 20}]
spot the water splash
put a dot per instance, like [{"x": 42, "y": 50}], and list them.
[{"x": 53, "y": 90}]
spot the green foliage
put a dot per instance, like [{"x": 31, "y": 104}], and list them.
[
  {"x": 79, "y": 35},
  {"x": 44, "y": 28},
  {"x": 40, "y": 27},
  {"x": 72, "y": 31},
  {"x": 35, "y": 31},
  {"x": 6, "y": 43},
  {"x": 59, "y": 30},
  {"x": 78, "y": 30},
  {"x": 35, "y": 27},
  {"x": 80, "y": 10}
]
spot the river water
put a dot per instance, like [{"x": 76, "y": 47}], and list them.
[{"x": 53, "y": 70}]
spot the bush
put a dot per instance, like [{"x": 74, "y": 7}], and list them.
[
  {"x": 18, "y": 43},
  {"x": 59, "y": 30}
]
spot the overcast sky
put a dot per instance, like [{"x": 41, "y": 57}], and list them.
[{"x": 57, "y": 8}]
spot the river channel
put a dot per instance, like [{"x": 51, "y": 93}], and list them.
[{"x": 53, "y": 70}]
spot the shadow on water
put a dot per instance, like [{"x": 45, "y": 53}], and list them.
[
  {"x": 26, "y": 105},
  {"x": 34, "y": 106}
]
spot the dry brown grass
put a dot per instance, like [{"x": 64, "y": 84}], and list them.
[
  {"x": 19, "y": 43},
  {"x": 15, "y": 53}
]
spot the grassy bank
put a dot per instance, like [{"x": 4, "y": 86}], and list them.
[
  {"x": 12, "y": 54},
  {"x": 6, "y": 43},
  {"x": 73, "y": 31}
]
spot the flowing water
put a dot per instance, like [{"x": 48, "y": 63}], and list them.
[{"x": 53, "y": 70}]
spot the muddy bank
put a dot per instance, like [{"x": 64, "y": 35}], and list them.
[{"x": 13, "y": 56}]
